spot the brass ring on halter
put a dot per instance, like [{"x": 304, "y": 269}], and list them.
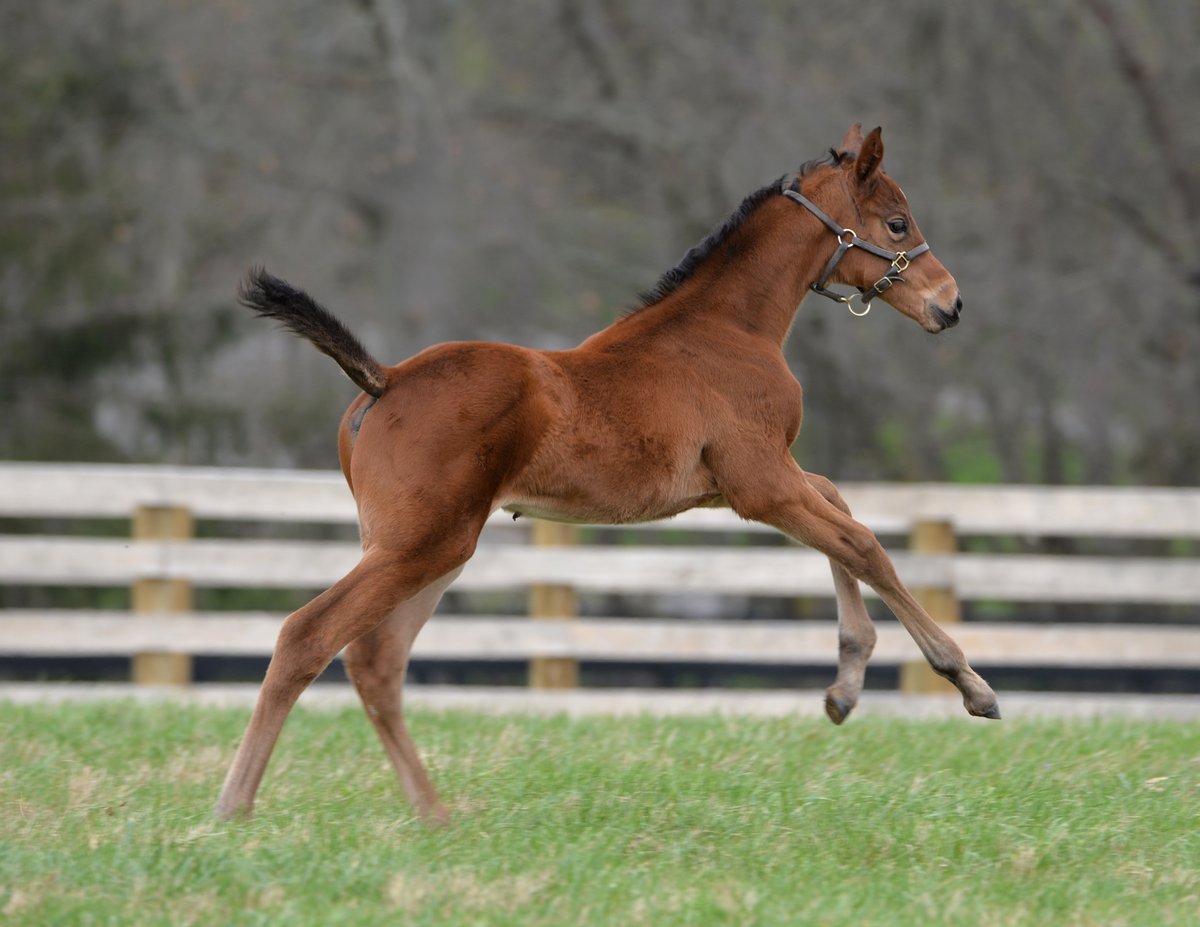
[
  {"x": 853, "y": 237},
  {"x": 850, "y": 305}
]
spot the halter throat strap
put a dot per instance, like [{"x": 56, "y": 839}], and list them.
[{"x": 847, "y": 239}]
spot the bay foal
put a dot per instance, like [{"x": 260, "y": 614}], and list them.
[{"x": 685, "y": 402}]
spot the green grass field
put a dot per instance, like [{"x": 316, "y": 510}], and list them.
[{"x": 106, "y": 819}]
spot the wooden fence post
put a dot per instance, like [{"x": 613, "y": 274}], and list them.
[
  {"x": 162, "y": 596},
  {"x": 932, "y": 537},
  {"x": 553, "y": 603}
]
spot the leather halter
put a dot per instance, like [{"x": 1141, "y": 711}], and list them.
[{"x": 847, "y": 239}]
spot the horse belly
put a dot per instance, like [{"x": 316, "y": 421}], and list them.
[{"x": 612, "y": 492}]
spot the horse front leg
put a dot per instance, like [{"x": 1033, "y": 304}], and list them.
[
  {"x": 783, "y": 496},
  {"x": 856, "y": 631}
]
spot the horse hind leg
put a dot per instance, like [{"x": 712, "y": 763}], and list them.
[
  {"x": 377, "y": 663},
  {"x": 309, "y": 639},
  {"x": 856, "y": 631},
  {"x": 313, "y": 635}
]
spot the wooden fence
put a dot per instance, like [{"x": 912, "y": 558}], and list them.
[{"x": 162, "y": 562}]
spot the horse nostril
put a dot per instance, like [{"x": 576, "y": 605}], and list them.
[{"x": 957, "y": 305}]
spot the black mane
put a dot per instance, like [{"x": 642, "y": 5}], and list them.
[{"x": 674, "y": 278}]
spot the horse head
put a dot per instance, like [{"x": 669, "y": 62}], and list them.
[{"x": 870, "y": 215}]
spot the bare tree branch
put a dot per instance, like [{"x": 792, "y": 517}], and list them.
[{"x": 1183, "y": 177}]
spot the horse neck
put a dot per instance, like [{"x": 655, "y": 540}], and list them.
[{"x": 754, "y": 281}]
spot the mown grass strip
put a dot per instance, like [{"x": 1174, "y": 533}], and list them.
[{"x": 107, "y": 819}]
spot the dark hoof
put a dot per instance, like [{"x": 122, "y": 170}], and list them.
[
  {"x": 837, "y": 709},
  {"x": 992, "y": 712}
]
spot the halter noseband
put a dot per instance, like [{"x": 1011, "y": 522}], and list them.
[{"x": 847, "y": 239}]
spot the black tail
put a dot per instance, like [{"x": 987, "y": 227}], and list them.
[{"x": 273, "y": 298}]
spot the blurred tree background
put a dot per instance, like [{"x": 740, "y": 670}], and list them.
[{"x": 446, "y": 169}]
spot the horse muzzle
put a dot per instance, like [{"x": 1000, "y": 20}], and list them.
[{"x": 946, "y": 318}]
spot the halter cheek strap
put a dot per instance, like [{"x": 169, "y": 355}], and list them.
[{"x": 847, "y": 239}]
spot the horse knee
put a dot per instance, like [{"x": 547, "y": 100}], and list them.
[{"x": 857, "y": 642}]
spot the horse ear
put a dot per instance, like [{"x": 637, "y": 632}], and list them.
[
  {"x": 870, "y": 156},
  {"x": 852, "y": 143}
]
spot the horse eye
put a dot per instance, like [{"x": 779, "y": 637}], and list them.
[{"x": 899, "y": 226}]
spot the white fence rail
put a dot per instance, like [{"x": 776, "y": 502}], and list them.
[{"x": 163, "y": 566}]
